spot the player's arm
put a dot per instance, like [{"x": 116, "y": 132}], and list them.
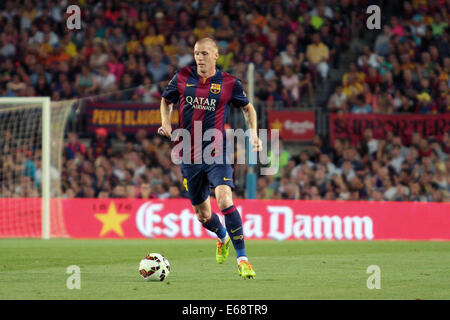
[
  {"x": 170, "y": 96},
  {"x": 166, "y": 116},
  {"x": 250, "y": 117},
  {"x": 239, "y": 99},
  {"x": 252, "y": 124}
]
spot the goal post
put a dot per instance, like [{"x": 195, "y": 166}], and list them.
[
  {"x": 46, "y": 122},
  {"x": 32, "y": 135},
  {"x": 251, "y": 178}
]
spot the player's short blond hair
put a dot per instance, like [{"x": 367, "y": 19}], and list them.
[{"x": 210, "y": 40}]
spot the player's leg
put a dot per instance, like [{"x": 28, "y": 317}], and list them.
[
  {"x": 211, "y": 222},
  {"x": 221, "y": 177},
  {"x": 197, "y": 187},
  {"x": 233, "y": 223}
]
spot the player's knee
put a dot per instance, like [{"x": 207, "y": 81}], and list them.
[
  {"x": 224, "y": 202},
  {"x": 224, "y": 197},
  {"x": 202, "y": 219},
  {"x": 202, "y": 215}
]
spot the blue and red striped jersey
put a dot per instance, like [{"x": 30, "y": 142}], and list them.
[{"x": 206, "y": 100}]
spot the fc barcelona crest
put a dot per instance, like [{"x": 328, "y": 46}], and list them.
[{"x": 215, "y": 88}]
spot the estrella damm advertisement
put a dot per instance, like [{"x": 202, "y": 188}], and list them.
[
  {"x": 261, "y": 219},
  {"x": 128, "y": 116}
]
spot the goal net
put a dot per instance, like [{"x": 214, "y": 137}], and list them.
[{"x": 31, "y": 146}]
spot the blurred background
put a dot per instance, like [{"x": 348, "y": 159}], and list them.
[{"x": 368, "y": 95}]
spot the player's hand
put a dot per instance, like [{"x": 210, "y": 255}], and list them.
[
  {"x": 255, "y": 142},
  {"x": 165, "y": 130}
]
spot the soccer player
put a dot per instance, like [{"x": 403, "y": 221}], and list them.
[{"x": 205, "y": 94}]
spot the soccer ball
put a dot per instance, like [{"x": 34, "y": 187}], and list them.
[{"x": 154, "y": 267}]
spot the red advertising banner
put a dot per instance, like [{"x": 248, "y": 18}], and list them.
[
  {"x": 21, "y": 217},
  {"x": 128, "y": 116},
  {"x": 262, "y": 219},
  {"x": 269, "y": 219},
  {"x": 352, "y": 126},
  {"x": 293, "y": 125}
]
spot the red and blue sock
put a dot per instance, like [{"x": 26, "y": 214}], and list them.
[
  {"x": 233, "y": 223},
  {"x": 214, "y": 225}
]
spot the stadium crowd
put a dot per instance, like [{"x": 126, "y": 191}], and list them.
[
  {"x": 375, "y": 169},
  {"x": 133, "y": 49},
  {"x": 123, "y": 45},
  {"x": 406, "y": 70}
]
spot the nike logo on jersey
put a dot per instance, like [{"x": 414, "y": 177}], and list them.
[
  {"x": 226, "y": 179},
  {"x": 190, "y": 85}
]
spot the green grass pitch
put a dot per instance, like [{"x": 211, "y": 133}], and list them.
[{"x": 36, "y": 269}]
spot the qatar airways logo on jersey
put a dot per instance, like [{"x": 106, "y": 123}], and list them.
[{"x": 201, "y": 103}]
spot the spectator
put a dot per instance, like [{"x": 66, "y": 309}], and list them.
[
  {"x": 373, "y": 78},
  {"x": 202, "y": 29},
  {"x": 185, "y": 58},
  {"x": 86, "y": 81},
  {"x": 361, "y": 106},
  {"x": 145, "y": 191},
  {"x": 424, "y": 103},
  {"x": 291, "y": 83},
  {"x": 174, "y": 191},
  {"x": 73, "y": 146},
  {"x": 130, "y": 191},
  {"x": 157, "y": 68},
  {"x": 16, "y": 86},
  {"x": 274, "y": 99},
  {"x": 119, "y": 191},
  {"x": 338, "y": 101},
  {"x": 115, "y": 66},
  {"x": 317, "y": 55},
  {"x": 101, "y": 144},
  {"x": 98, "y": 58},
  {"x": 106, "y": 79}
]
